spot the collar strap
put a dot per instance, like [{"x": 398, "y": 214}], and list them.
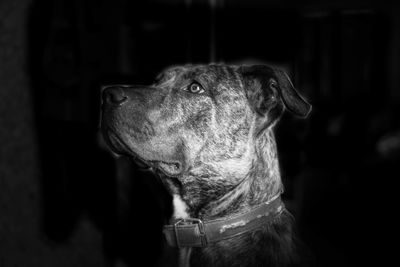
[{"x": 192, "y": 232}]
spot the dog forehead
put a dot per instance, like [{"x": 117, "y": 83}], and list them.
[{"x": 213, "y": 75}]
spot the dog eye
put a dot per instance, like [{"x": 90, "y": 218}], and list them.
[{"x": 195, "y": 88}]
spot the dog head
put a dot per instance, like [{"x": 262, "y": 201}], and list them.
[{"x": 198, "y": 125}]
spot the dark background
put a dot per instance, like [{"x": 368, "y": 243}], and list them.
[{"x": 65, "y": 201}]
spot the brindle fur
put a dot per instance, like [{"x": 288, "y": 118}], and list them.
[{"x": 224, "y": 143}]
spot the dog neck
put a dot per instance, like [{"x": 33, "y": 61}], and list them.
[{"x": 261, "y": 183}]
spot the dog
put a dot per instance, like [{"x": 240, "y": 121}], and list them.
[{"x": 208, "y": 130}]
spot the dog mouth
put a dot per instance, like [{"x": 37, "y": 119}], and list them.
[
  {"x": 168, "y": 168},
  {"x": 172, "y": 168},
  {"x": 115, "y": 143}
]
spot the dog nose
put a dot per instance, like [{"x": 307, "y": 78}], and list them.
[{"x": 114, "y": 95}]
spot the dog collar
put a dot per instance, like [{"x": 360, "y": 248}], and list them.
[{"x": 193, "y": 232}]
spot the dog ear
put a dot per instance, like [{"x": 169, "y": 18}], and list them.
[
  {"x": 293, "y": 101},
  {"x": 269, "y": 90}
]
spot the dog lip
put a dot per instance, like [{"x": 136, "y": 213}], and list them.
[
  {"x": 170, "y": 168},
  {"x": 114, "y": 142},
  {"x": 141, "y": 163},
  {"x": 119, "y": 147}
]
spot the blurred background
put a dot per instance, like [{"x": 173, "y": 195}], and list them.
[{"x": 65, "y": 201}]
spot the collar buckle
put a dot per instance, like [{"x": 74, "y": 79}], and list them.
[{"x": 201, "y": 230}]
